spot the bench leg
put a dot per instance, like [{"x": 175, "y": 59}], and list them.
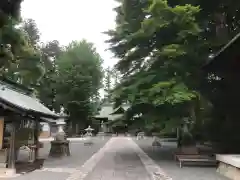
[{"x": 180, "y": 164}]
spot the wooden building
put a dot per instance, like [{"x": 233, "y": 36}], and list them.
[
  {"x": 222, "y": 87},
  {"x": 21, "y": 114},
  {"x": 112, "y": 117},
  {"x": 222, "y": 76}
]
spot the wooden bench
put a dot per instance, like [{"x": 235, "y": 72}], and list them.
[{"x": 199, "y": 159}]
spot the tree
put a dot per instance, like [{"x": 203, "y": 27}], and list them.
[
  {"x": 154, "y": 51},
  {"x": 20, "y": 61},
  {"x": 78, "y": 80},
  {"x": 29, "y": 67},
  {"x": 162, "y": 46},
  {"x": 30, "y": 27},
  {"x": 11, "y": 7},
  {"x": 108, "y": 84},
  {"x": 46, "y": 89}
]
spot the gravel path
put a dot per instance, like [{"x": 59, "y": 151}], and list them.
[
  {"x": 79, "y": 154},
  {"x": 163, "y": 156},
  {"x": 119, "y": 159},
  {"x": 60, "y": 169}
]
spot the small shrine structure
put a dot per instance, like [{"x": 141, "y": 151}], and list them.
[
  {"x": 109, "y": 118},
  {"x": 20, "y": 117}
]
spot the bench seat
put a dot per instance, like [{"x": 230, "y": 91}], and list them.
[{"x": 203, "y": 159}]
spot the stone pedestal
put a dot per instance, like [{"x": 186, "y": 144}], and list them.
[
  {"x": 229, "y": 166},
  {"x": 59, "y": 148},
  {"x": 88, "y": 141},
  {"x": 101, "y": 134}
]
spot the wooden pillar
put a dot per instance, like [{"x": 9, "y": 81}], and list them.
[
  {"x": 1, "y": 132},
  {"x": 36, "y": 138},
  {"x": 12, "y": 147}
]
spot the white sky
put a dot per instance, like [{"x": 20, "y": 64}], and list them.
[{"x": 68, "y": 20}]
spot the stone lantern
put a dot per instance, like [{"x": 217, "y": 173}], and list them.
[
  {"x": 61, "y": 135},
  {"x": 60, "y": 145},
  {"x": 88, "y": 140}
]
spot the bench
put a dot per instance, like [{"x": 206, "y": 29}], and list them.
[
  {"x": 192, "y": 150},
  {"x": 199, "y": 159}
]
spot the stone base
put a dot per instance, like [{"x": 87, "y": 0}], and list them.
[
  {"x": 10, "y": 172},
  {"x": 101, "y": 134},
  {"x": 88, "y": 141},
  {"x": 59, "y": 148},
  {"x": 229, "y": 166}
]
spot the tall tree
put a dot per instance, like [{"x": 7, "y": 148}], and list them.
[
  {"x": 107, "y": 84},
  {"x": 10, "y": 39},
  {"x": 46, "y": 89},
  {"x": 30, "y": 27},
  {"x": 78, "y": 80},
  {"x": 20, "y": 61},
  {"x": 30, "y": 67},
  {"x": 159, "y": 48},
  {"x": 9, "y": 8}
]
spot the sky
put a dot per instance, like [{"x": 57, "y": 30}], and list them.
[{"x": 68, "y": 20}]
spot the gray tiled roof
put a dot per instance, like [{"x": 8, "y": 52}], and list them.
[
  {"x": 8, "y": 96},
  {"x": 108, "y": 109}
]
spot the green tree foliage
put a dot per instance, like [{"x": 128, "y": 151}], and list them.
[
  {"x": 20, "y": 61},
  {"x": 30, "y": 27},
  {"x": 78, "y": 80},
  {"x": 46, "y": 89},
  {"x": 162, "y": 46},
  {"x": 155, "y": 46},
  {"x": 9, "y": 9},
  {"x": 108, "y": 84}
]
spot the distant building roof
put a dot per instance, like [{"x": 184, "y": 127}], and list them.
[
  {"x": 107, "y": 111},
  {"x": 17, "y": 100}
]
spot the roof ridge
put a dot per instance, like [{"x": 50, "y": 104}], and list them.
[{"x": 16, "y": 86}]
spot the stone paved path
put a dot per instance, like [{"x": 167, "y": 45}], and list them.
[
  {"x": 120, "y": 162},
  {"x": 119, "y": 159}
]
